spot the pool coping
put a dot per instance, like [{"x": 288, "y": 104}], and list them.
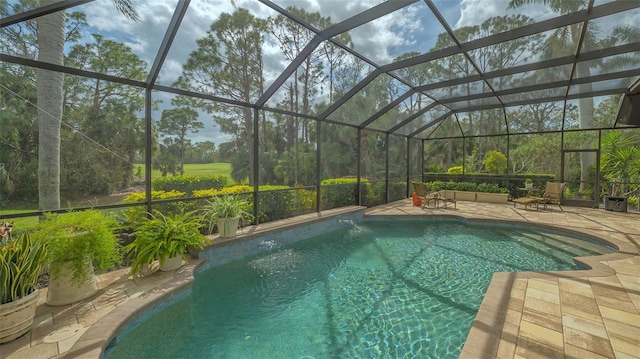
[
  {"x": 488, "y": 327},
  {"x": 482, "y": 341}
]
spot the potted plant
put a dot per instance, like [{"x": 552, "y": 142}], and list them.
[
  {"x": 21, "y": 262},
  {"x": 77, "y": 242},
  {"x": 225, "y": 212},
  {"x": 165, "y": 238},
  {"x": 528, "y": 183}
]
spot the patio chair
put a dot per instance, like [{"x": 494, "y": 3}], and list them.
[
  {"x": 424, "y": 196},
  {"x": 553, "y": 192},
  {"x": 444, "y": 198}
]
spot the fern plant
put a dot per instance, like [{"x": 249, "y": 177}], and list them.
[
  {"x": 76, "y": 237},
  {"x": 165, "y": 236}
]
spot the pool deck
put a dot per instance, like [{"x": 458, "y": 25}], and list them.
[{"x": 577, "y": 314}]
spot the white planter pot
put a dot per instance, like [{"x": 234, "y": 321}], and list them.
[
  {"x": 172, "y": 263},
  {"x": 227, "y": 227},
  {"x": 146, "y": 269},
  {"x": 528, "y": 185},
  {"x": 16, "y": 317},
  {"x": 64, "y": 290},
  {"x": 492, "y": 197},
  {"x": 465, "y": 196}
]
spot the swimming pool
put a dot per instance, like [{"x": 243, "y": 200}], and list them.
[{"x": 400, "y": 288}]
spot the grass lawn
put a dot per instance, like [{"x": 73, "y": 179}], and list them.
[
  {"x": 21, "y": 223},
  {"x": 196, "y": 169}
]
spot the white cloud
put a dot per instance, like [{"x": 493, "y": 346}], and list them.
[
  {"x": 375, "y": 39},
  {"x": 475, "y": 12}
]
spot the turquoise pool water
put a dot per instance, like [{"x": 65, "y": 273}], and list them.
[{"x": 378, "y": 289}]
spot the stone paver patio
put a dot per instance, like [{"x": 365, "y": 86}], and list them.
[{"x": 577, "y": 314}]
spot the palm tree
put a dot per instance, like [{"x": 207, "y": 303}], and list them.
[{"x": 51, "y": 38}]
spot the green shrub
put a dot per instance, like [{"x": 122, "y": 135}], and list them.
[
  {"x": 397, "y": 190},
  {"x": 74, "y": 236},
  {"x": 465, "y": 186},
  {"x": 449, "y": 185},
  {"x": 131, "y": 216},
  {"x": 304, "y": 201},
  {"x": 241, "y": 188},
  {"x": 456, "y": 170},
  {"x": 340, "y": 192},
  {"x": 491, "y": 188},
  {"x": 377, "y": 194},
  {"x": 432, "y": 186},
  {"x": 275, "y": 204},
  {"x": 632, "y": 201},
  {"x": 189, "y": 183},
  {"x": 495, "y": 162}
]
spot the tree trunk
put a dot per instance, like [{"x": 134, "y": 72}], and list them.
[
  {"x": 248, "y": 124},
  {"x": 585, "y": 113},
  {"x": 49, "y": 95}
]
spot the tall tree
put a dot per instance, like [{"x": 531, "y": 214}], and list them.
[
  {"x": 302, "y": 87},
  {"x": 19, "y": 135},
  {"x": 51, "y": 40},
  {"x": 106, "y": 112},
  {"x": 228, "y": 63},
  {"x": 178, "y": 122}
]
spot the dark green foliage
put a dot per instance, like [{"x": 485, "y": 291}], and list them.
[
  {"x": 465, "y": 186},
  {"x": 491, "y": 188},
  {"x": 340, "y": 192},
  {"x": 377, "y": 194},
  {"x": 189, "y": 183},
  {"x": 304, "y": 201},
  {"x": 275, "y": 204},
  {"x": 84, "y": 173},
  {"x": 130, "y": 216},
  {"x": 397, "y": 190}
]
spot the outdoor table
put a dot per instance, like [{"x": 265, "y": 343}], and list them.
[{"x": 529, "y": 191}]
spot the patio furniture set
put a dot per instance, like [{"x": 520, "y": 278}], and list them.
[{"x": 552, "y": 195}]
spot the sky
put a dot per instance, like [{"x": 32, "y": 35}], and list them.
[{"x": 412, "y": 28}]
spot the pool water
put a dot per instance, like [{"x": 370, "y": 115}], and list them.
[{"x": 378, "y": 289}]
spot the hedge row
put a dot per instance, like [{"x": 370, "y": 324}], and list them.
[
  {"x": 133, "y": 215},
  {"x": 340, "y": 192},
  {"x": 189, "y": 183},
  {"x": 465, "y": 186},
  {"x": 275, "y": 202},
  {"x": 512, "y": 184}
]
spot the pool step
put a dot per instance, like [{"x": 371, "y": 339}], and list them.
[{"x": 573, "y": 247}]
